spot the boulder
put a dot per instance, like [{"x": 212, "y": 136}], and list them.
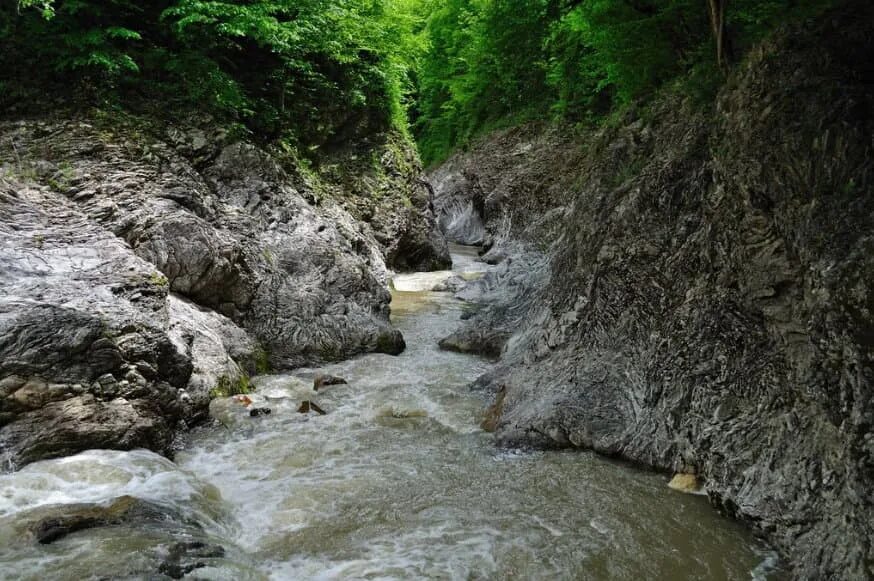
[{"x": 136, "y": 279}]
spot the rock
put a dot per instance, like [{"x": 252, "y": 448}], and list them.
[
  {"x": 308, "y": 406},
  {"x": 452, "y": 284},
  {"x": 67, "y": 519},
  {"x": 390, "y": 342},
  {"x": 492, "y": 415},
  {"x": 471, "y": 340},
  {"x": 496, "y": 255},
  {"x": 323, "y": 380},
  {"x": 152, "y": 279},
  {"x": 187, "y": 556},
  {"x": 687, "y": 483},
  {"x": 676, "y": 293},
  {"x": 85, "y": 422},
  {"x": 32, "y": 395},
  {"x": 258, "y": 412},
  {"x": 401, "y": 218}
]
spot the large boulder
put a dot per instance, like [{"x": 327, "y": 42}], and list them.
[
  {"x": 90, "y": 353},
  {"x": 142, "y": 266}
]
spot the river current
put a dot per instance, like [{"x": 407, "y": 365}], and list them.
[{"x": 395, "y": 481}]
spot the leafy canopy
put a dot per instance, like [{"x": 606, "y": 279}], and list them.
[
  {"x": 491, "y": 62},
  {"x": 326, "y": 71},
  {"x": 318, "y": 70}
]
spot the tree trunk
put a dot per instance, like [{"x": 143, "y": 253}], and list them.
[{"x": 717, "y": 26}]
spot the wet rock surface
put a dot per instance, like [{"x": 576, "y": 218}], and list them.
[
  {"x": 68, "y": 519},
  {"x": 308, "y": 406},
  {"x": 185, "y": 557},
  {"x": 322, "y": 381},
  {"x": 705, "y": 306},
  {"x": 141, "y": 267}
]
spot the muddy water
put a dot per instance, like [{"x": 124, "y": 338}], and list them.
[{"x": 395, "y": 482}]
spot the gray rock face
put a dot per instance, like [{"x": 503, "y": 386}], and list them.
[
  {"x": 140, "y": 267},
  {"x": 391, "y": 202},
  {"x": 84, "y": 357},
  {"x": 707, "y": 306}
]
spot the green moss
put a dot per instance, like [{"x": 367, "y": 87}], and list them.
[
  {"x": 60, "y": 182},
  {"x": 262, "y": 361},
  {"x": 268, "y": 256},
  {"x": 159, "y": 279},
  {"x": 226, "y": 387}
]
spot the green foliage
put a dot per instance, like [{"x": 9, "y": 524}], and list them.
[
  {"x": 494, "y": 60},
  {"x": 262, "y": 361},
  {"x": 158, "y": 279},
  {"x": 317, "y": 72},
  {"x": 484, "y": 63}
]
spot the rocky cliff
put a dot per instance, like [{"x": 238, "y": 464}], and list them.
[
  {"x": 144, "y": 265},
  {"x": 693, "y": 290}
]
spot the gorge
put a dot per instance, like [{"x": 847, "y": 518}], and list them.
[{"x": 535, "y": 333}]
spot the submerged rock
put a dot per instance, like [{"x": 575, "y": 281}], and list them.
[
  {"x": 48, "y": 524},
  {"x": 322, "y": 381},
  {"x": 187, "y": 556},
  {"x": 452, "y": 284}
]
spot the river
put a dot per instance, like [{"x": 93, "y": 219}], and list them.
[{"x": 396, "y": 481}]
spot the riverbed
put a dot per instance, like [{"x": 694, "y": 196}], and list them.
[{"x": 395, "y": 481}]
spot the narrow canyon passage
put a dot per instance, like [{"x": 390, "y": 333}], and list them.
[{"x": 396, "y": 481}]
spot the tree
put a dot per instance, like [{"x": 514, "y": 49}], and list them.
[{"x": 717, "y": 27}]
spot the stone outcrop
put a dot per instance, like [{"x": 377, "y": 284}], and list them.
[
  {"x": 142, "y": 266},
  {"x": 707, "y": 302}
]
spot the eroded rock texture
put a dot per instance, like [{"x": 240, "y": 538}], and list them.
[
  {"x": 707, "y": 304},
  {"x": 142, "y": 266}
]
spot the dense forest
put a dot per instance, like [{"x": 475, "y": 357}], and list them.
[{"x": 322, "y": 71}]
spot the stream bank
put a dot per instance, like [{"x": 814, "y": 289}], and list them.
[{"x": 691, "y": 290}]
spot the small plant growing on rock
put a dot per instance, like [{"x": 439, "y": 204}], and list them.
[
  {"x": 227, "y": 387},
  {"x": 158, "y": 279}
]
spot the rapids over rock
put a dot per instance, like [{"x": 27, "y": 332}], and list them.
[{"x": 396, "y": 481}]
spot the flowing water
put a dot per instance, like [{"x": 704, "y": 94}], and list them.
[{"x": 396, "y": 481}]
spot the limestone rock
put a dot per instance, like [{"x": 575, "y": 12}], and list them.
[
  {"x": 695, "y": 292},
  {"x": 688, "y": 483},
  {"x": 132, "y": 284}
]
